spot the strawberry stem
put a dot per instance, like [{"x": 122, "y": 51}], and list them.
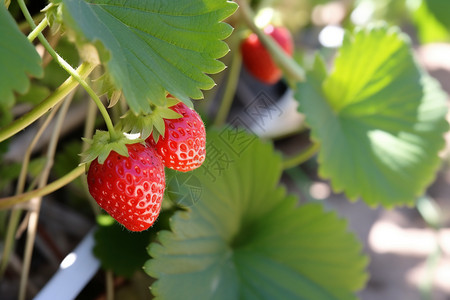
[
  {"x": 42, "y": 25},
  {"x": 16, "y": 212},
  {"x": 231, "y": 83},
  {"x": 50, "y": 188},
  {"x": 284, "y": 61},
  {"x": 66, "y": 66},
  {"x": 301, "y": 157},
  {"x": 42, "y": 108},
  {"x": 36, "y": 202}
]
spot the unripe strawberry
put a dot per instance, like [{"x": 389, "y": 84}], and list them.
[{"x": 257, "y": 59}]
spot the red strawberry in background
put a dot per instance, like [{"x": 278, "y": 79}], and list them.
[
  {"x": 131, "y": 188},
  {"x": 182, "y": 147},
  {"x": 257, "y": 59}
]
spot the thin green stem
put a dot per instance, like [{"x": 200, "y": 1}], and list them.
[
  {"x": 230, "y": 88},
  {"x": 8, "y": 246},
  {"x": 289, "y": 66},
  {"x": 17, "y": 212},
  {"x": 83, "y": 83},
  {"x": 8, "y": 202},
  {"x": 36, "y": 202},
  {"x": 13, "y": 224},
  {"x": 41, "y": 26},
  {"x": 26, "y": 13},
  {"x": 88, "y": 133},
  {"x": 71, "y": 71},
  {"x": 39, "y": 110},
  {"x": 26, "y": 159},
  {"x": 24, "y": 26},
  {"x": 300, "y": 157}
]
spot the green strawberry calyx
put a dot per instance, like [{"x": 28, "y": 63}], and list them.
[
  {"x": 150, "y": 124},
  {"x": 101, "y": 145}
]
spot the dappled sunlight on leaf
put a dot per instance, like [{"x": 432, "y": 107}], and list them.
[{"x": 378, "y": 116}]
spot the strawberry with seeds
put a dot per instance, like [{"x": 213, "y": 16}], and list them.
[
  {"x": 182, "y": 147},
  {"x": 175, "y": 131},
  {"x": 126, "y": 178}
]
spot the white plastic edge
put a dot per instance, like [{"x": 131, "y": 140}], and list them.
[{"x": 74, "y": 272}]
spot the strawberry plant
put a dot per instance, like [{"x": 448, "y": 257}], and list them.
[{"x": 172, "y": 177}]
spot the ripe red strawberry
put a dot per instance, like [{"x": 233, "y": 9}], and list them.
[
  {"x": 183, "y": 146},
  {"x": 257, "y": 59},
  {"x": 131, "y": 188}
]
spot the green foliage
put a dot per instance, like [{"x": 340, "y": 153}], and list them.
[
  {"x": 54, "y": 74},
  {"x": 9, "y": 172},
  {"x": 101, "y": 146},
  {"x": 118, "y": 249},
  {"x": 431, "y": 27},
  {"x": 379, "y": 118},
  {"x": 150, "y": 124},
  {"x": 5, "y": 118},
  {"x": 18, "y": 57},
  {"x": 35, "y": 94},
  {"x": 182, "y": 188},
  {"x": 246, "y": 239},
  {"x": 66, "y": 159},
  {"x": 153, "y": 46},
  {"x": 440, "y": 9},
  {"x": 123, "y": 251}
]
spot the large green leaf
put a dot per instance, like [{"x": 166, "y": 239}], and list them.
[
  {"x": 153, "y": 46},
  {"x": 378, "y": 117},
  {"x": 18, "y": 59},
  {"x": 245, "y": 239}
]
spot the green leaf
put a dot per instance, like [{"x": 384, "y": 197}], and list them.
[
  {"x": 429, "y": 27},
  {"x": 18, "y": 59},
  {"x": 440, "y": 9},
  {"x": 182, "y": 188},
  {"x": 8, "y": 173},
  {"x": 154, "y": 46},
  {"x": 120, "y": 250},
  {"x": 6, "y": 117},
  {"x": 245, "y": 239},
  {"x": 379, "y": 118},
  {"x": 36, "y": 93},
  {"x": 123, "y": 251}
]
